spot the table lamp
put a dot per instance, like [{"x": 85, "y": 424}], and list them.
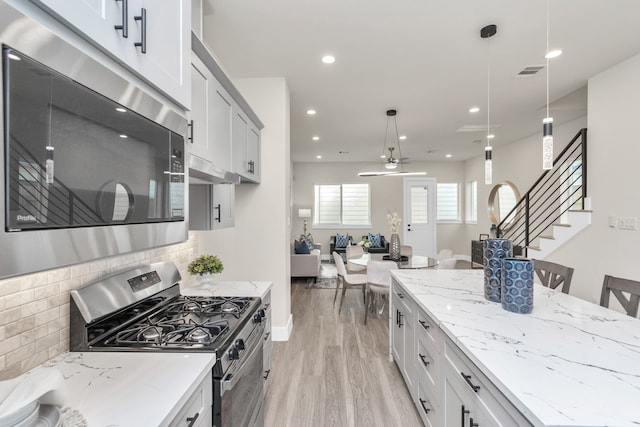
[{"x": 304, "y": 213}]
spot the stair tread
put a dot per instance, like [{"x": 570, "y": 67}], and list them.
[
  {"x": 580, "y": 210},
  {"x": 547, "y": 237},
  {"x": 536, "y": 248},
  {"x": 561, "y": 225}
]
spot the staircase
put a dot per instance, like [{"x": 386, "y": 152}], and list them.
[{"x": 555, "y": 208}]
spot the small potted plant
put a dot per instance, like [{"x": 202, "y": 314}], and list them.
[
  {"x": 205, "y": 266},
  {"x": 365, "y": 243}
]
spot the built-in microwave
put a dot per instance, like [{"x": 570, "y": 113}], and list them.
[{"x": 93, "y": 162}]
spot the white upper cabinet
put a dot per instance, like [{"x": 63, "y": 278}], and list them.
[
  {"x": 220, "y": 118},
  {"x": 199, "y": 135},
  {"x": 151, "y": 38},
  {"x": 246, "y": 147}
]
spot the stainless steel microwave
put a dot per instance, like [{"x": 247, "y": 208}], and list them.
[{"x": 93, "y": 164}]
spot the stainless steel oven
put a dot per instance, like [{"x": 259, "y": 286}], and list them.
[
  {"x": 142, "y": 310},
  {"x": 93, "y": 164}
]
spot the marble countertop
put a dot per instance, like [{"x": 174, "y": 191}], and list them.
[
  {"x": 130, "y": 389},
  {"x": 228, "y": 289},
  {"x": 568, "y": 363}
]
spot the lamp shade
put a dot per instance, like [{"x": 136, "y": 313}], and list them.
[{"x": 304, "y": 213}]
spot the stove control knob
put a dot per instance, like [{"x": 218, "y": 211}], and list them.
[
  {"x": 257, "y": 318},
  {"x": 262, "y": 313},
  {"x": 234, "y": 354},
  {"x": 240, "y": 344}
]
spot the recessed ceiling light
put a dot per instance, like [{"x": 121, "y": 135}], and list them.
[
  {"x": 328, "y": 59},
  {"x": 383, "y": 157},
  {"x": 318, "y": 157},
  {"x": 402, "y": 137},
  {"x": 316, "y": 138},
  {"x": 448, "y": 156},
  {"x": 311, "y": 112},
  {"x": 553, "y": 53},
  {"x": 121, "y": 110},
  {"x": 123, "y": 136},
  {"x": 474, "y": 109},
  {"x": 491, "y": 136}
]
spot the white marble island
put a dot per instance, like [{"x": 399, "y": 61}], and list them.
[{"x": 568, "y": 363}]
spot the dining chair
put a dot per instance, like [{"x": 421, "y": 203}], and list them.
[
  {"x": 355, "y": 251},
  {"x": 444, "y": 254},
  {"x": 347, "y": 280},
  {"x": 553, "y": 275},
  {"x": 619, "y": 288},
  {"x": 378, "y": 281},
  {"x": 447, "y": 264},
  {"x": 406, "y": 250}
]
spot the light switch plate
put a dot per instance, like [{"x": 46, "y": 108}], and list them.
[{"x": 628, "y": 223}]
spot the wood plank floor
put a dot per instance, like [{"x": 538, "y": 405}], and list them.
[{"x": 334, "y": 370}]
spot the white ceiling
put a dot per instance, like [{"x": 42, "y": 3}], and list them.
[{"x": 424, "y": 58}]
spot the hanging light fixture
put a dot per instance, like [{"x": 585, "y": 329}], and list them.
[
  {"x": 547, "y": 122},
  {"x": 486, "y": 33},
  {"x": 390, "y": 164}
]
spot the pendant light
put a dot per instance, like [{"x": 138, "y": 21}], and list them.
[
  {"x": 486, "y": 33},
  {"x": 390, "y": 164},
  {"x": 547, "y": 122}
]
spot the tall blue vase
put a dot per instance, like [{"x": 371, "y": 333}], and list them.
[
  {"x": 517, "y": 285},
  {"x": 494, "y": 251}
]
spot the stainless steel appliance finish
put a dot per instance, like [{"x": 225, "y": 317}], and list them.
[
  {"x": 53, "y": 248},
  {"x": 142, "y": 310}
]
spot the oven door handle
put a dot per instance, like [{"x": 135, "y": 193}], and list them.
[{"x": 232, "y": 378}]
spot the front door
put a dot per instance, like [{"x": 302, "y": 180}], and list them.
[{"x": 419, "y": 219}]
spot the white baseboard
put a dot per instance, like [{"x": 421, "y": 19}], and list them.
[
  {"x": 463, "y": 257},
  {"x": 282, "y": 333}
]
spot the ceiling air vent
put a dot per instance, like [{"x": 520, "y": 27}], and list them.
[{"x": 530, "y": 70}]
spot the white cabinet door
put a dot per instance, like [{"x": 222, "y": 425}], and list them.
[
  {"x": 223, "y": 206},
  {"x": 220, "y": 119},
  {"x": 115, "y": 27},
  {"x": 199, "y": 139},
  {"x": 253, "y": 153},
  {"x": 240, "y": 133}
]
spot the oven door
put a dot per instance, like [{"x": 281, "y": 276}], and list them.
[{"x": 238, "y": 397}]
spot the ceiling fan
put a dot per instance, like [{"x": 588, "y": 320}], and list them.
[{"x": 393, "y": 162}]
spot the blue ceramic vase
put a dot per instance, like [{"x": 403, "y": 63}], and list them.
[
  {"x": 517, "y": 285},
  {"x": 494, "y": 251}
]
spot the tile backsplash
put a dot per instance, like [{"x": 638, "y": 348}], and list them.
[{"x": 34, "y": 308}]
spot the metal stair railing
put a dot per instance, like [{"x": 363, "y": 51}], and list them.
[{"x": 554, "y": 193}]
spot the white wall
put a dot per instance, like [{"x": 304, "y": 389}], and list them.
[
  {"x": 613, "y": 176},
  {"x": 386, "y": 195},
  {"x": 257, "y": 248}
]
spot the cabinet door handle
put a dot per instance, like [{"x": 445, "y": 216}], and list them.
[
  {"x": 463, "y": 412},
  {"x": 471, "y": 423},
  {"x": 424, "y": 362},
  {"x": 125, "y": 19},
  {"x": 467, "y": 378},
  {"x": 266, "y": 374},
  {"x": 190, "y": 126},
  {"x": 422, "y": 402},
  {"x": 424, "y": 324},
  {"x": 142, "y": 44},
  {"x": 397, "y": 317},
  {"x": 400, "y": 324},
  {"x": 219, "y": 212},
  {"x": 401, "y": 295},
  {"x": 266, "y": 336},
  {"x": 192, "y": 420}
]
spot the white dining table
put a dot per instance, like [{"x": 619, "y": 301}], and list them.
[{"x": 411, "y": 262}]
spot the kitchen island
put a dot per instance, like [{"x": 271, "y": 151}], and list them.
[
  {"x": 568, "y": 363},
  {"x": 130, "y": 389}
]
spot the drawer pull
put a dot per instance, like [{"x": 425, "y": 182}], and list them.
[
  {"x": 424, "y": 324},
  {"x": 422, "y": 402},
  {"x": 266, "y": 374},
  {"x": 266, "y": 336},
  {"x": 471, "y": 423},
  {"x": 400, "y": 324},
  {"x": 401, "y": 295},
  {"x": 467, "y": 378},
  {"x": 463, "y": 412},
  {"x": 424, "y": 362},
  {"x": 192, "y": 420}
]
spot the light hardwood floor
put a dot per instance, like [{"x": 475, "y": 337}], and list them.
[{"x": 334, "y": 370}]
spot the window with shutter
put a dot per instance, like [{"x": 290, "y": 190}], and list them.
[
  {"x": 448, "y": 206},
  {"x": 342, "y": 205}
]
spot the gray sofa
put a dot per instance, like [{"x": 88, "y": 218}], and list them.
[{"x": 306, "y": 265}]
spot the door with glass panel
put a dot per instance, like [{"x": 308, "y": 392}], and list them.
[{"x": 419, "y": 219}]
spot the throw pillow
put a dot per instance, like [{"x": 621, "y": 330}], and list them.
[
  {"x": 309, "y": 240},
  {"x": 375, "y": 240},
  {"x": 342, "y": 240},
  {"x": 301, "y": 247}
]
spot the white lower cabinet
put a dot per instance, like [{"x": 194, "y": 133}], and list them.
[
  {"x": 197, "y": 411},
  {"x": 446, "y": 387}
]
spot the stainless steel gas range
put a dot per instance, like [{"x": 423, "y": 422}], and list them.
[{"x": 142, "y": 310}]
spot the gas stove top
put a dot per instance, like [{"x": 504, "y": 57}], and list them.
[{"x": 142, "y": 310}]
